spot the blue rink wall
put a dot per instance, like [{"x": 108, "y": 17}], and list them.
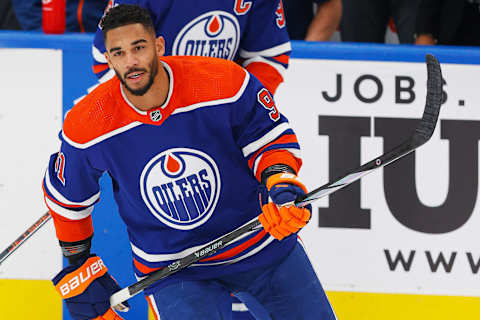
[{"x": 110, "y": 241}]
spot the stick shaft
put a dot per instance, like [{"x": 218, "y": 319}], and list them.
[
  {"x": 24, "y": 236},
  {"x": 422, "y": 134}
]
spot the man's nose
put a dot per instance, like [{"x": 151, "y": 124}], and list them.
[{"x": 132, "y": 60}]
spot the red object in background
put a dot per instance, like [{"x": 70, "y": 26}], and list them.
[{"x": 53, "y": 16}]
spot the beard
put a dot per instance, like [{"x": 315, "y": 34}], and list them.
[{"x": 142, "y": 90}]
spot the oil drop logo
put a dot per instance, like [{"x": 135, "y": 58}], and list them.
[
  {"x": 181, "y": 187},
  {"x": 213, "y": 34}
]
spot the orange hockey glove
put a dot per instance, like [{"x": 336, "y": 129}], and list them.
[
  {"x": 87, "y": 288},
  {"x": 281, "y": 217},
  {"x": 282, "y": 222}
]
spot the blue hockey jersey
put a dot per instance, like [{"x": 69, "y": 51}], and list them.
[
  {"x": 184, "y": 174},
  {"x": 252, "y": 33}
]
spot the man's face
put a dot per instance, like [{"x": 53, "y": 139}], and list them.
[{"x": 132, "y": 51}]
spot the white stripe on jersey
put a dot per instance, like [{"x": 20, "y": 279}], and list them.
[
  {"x": 60, "y": 198},
  {"x": 102, "y": 137},
  {"x": 272, "y": 52},
  {"x": 181, "y": 254},
  {"x": 267, "y": 138},
  {"x": 107, "y": 76},
  {"x": 239, "y": 307},
  {"x": 176, "y": 255},
  {"x": 153, "y": 303},
  {"x": 66, "y": 213},
  {"x": 98, "y": 56},
  {"x": 277, "y": 66}
]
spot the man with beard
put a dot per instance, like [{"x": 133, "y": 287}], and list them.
[
  {"x": 191, "y": 145},
  {"x": 251, "y": 33}
]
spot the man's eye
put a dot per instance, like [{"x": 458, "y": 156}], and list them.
[
  {"x": 117, "y": 53},
  {"x": 139, "y": 48}
]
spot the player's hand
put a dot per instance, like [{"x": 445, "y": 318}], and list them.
[
  {"x": 281, "y": 217},
  {"x": 425, "y": 39},
  {"x": 87, "y": 288}
]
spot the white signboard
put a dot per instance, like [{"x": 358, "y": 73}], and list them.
[
  {"x": 411, "y": 227},
  {"x": 30, "y": 119}
]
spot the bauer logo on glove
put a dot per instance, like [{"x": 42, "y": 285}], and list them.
[
  {"x": 76, "y": 282},
  {"x": 86, "y": 288}
]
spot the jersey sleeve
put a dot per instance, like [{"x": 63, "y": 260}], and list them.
[
  {"x": 71, "y": 190},
  {"x": 266, "y": 54},
  {"x": 262, "y": 132}
]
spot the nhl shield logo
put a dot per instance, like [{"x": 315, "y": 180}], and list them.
[
  {"x": 213, "y": 34},
  {"x": 156, "y": 115},
  {"x": 181, "y": 187}
]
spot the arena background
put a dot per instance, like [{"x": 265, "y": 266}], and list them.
[{"x": 400, "y": 244}]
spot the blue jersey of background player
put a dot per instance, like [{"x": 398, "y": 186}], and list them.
[
  {"x": 227, "y": 29},
  {"x": 252, "y": 33}
]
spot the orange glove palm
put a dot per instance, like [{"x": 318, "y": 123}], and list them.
[
  {"x": 280, "y": 217},
  {"x": 281, "y": 222}
]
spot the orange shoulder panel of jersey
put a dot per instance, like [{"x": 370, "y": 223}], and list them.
[
  {"x": 97, "y": 114},
  {"x": 201, "y": 79}
]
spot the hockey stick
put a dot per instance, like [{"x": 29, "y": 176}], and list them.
[
  {"x": 24, "y": 236},
  {"x": 422, "y": 134}
]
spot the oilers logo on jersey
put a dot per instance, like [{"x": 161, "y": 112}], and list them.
[
  {"x": 181, "y": 187},
  {"x": 213, "y": 34}
]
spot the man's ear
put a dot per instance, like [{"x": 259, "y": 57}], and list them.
[{"x": 160, "y": 46}]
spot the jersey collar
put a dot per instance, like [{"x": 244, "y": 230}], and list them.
[{"x": 159, "y": 114}]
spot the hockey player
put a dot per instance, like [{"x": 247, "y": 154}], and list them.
[
  {"x": 227, "y": 29},
  {"x": 252, "y": 33},
  {"x": 190, "y": 143}
]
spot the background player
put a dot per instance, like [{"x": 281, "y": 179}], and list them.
[
  {"x": 227, "y": 29},
  {"x": 252, "y": 33},
  {"x": 203, "y": 137}
]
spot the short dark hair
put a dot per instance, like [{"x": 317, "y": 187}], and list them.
[{"x": 125, "y": 14}]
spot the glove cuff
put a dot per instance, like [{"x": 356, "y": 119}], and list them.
[
  {"x": 76, "y": 252},
  {"x": 284, "y": 177},
  {"x": 274, "y": 169}
]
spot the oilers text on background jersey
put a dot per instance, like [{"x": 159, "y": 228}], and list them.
[{"x": 252, "y": 33}]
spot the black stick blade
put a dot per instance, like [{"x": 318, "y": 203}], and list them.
[
  {"x": 422, "y": 134},
  {"x": 433, "y": 102}
]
